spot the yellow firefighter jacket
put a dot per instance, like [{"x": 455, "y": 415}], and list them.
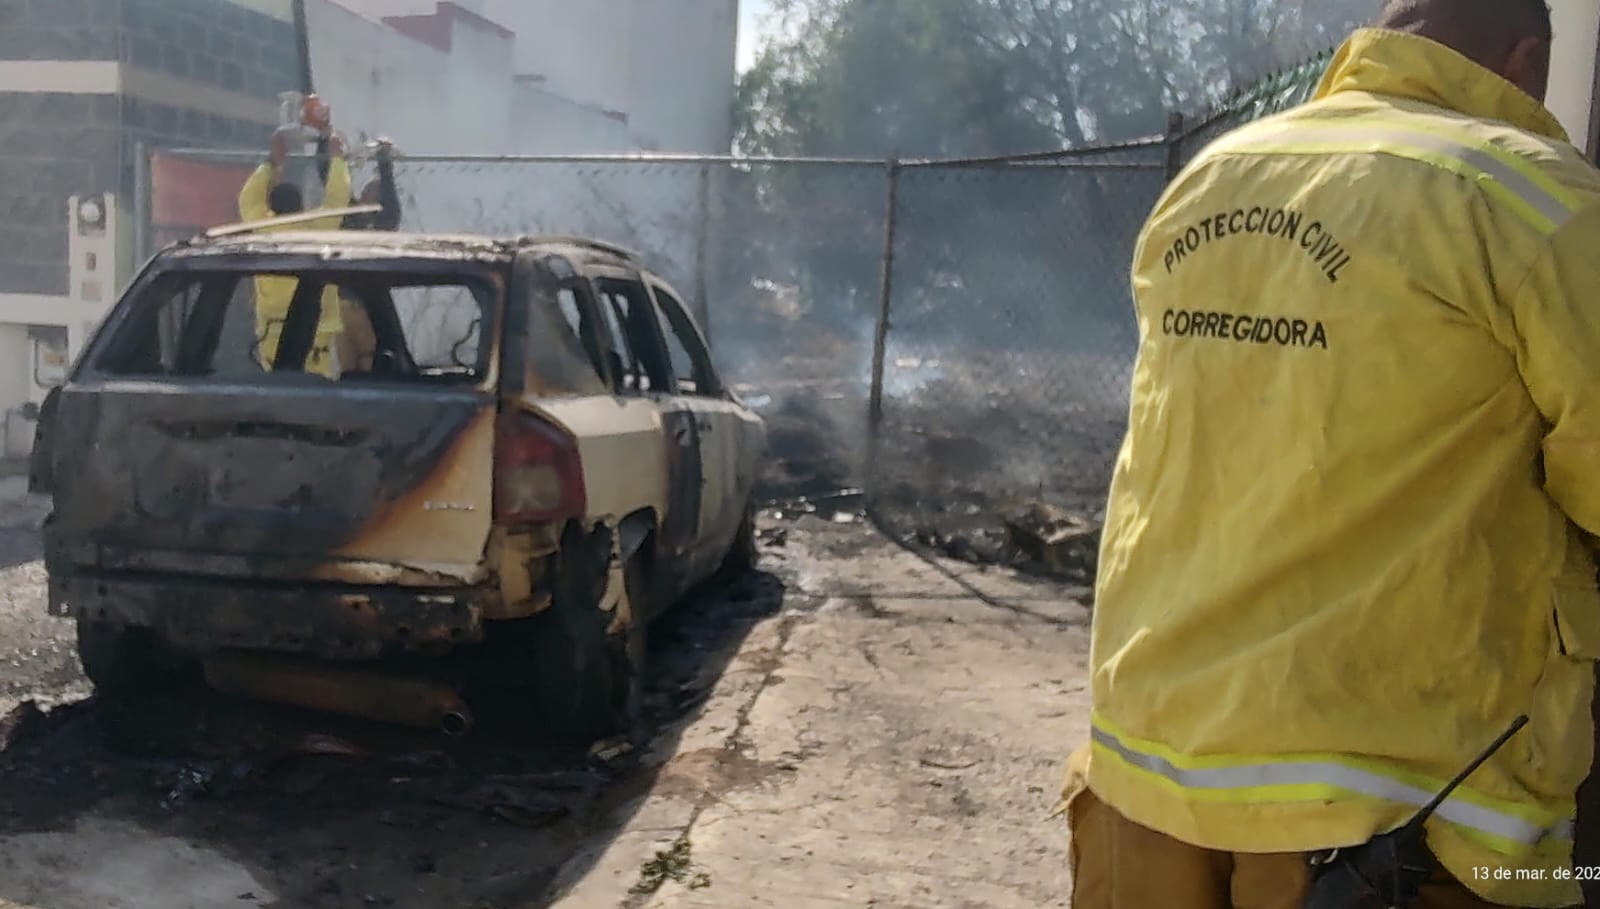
[
  {"x": 1340, "y": 555},
  {"x": 274, "y": 294}
]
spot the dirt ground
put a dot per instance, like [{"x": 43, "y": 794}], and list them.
[
  {"x": 853, "y": 725},
  {"x": 36, "y": 652}
]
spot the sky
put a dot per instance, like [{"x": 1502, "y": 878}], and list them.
[{"x": 751, "y": 12}]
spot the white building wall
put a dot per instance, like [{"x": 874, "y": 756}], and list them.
[
  {"x": 481, "y": 85},
  {"x": 545, "y": 123},
  {"x": 580, "y": 47},
  {"x": 382, "y": 82},
  {"x": 1572, "y": 66},
  {"x": 682, "y": 89},
  {"x": 667, "y": 67},
  {"x": 584, "y": 77},
  {"x": 15, "y": 380},
  {"x": 377, "y": 9}
]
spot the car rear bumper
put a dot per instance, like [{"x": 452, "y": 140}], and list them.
[{"x": 332, "y": 622}]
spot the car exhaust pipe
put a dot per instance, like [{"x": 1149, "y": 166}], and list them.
[
  {"x": 456, "y": 722},
  {"x": 415, "y": 702}
]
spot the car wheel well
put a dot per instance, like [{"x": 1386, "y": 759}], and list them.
[{"x": 639, "y": 530}]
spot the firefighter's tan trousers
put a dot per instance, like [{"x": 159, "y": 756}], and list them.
[{"x": 1117, "y": 864}]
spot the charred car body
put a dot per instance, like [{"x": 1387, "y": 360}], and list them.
[{"x": 534, "y": 457}]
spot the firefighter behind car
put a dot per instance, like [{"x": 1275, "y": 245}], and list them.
[{"x": 267, "y": 194}]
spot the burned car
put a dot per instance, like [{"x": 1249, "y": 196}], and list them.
[{"x": 531, "y": 457}]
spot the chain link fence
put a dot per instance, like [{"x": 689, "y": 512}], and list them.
[
  {"x": 1010, "y": 342},
  {"x": 951, "y": 341}
]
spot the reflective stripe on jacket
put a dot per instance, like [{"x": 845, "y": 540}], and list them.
[{"x": 1343, "y": 546}]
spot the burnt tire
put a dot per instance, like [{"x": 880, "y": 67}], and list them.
[
  {"x": 587, "y": 683},
  {"x": 122, "y": 660}
]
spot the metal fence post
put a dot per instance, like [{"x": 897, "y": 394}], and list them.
[
  {"x": 143, "y": 202},
  {"x": 880, "y": 340},
  {"x": 1174, "y": 145},
  {"x": 701, "y": 252}
]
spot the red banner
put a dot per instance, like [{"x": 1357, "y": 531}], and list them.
[{"x": 189, "y": 196}]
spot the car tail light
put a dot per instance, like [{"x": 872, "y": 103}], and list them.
[{"x": 538, "y": 474}]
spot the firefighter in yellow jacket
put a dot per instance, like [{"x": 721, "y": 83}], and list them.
[
  {"x": 1347, "y": 534},
  {"x": 265, "y": 195}
]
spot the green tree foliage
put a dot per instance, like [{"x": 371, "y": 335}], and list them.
[
  {"x": 875, "y": 76},
  {"x": 980, "y": 77},
  {"x": 976, "y": 78}
]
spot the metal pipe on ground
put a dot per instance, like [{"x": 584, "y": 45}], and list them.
[{"x": 415, "y": 702}]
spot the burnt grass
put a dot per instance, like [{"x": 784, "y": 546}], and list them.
[{"x": 953, "y": 473}]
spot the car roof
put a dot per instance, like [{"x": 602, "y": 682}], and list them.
[{"x": 379, "y": 244}]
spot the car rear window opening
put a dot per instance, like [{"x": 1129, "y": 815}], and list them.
[{"x": 342, "y": 326}]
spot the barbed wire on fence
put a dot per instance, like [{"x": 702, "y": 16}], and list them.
[{"x": 1273, "y": 94}]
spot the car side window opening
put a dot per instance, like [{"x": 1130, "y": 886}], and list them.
[
  {"x": 691, "y": 365},
  {"x": 633, "y": 327},
  {"x": 563, "y": 345},
  {"x": 624, "y": 367},
  {"x": 583, "y": 314}
]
